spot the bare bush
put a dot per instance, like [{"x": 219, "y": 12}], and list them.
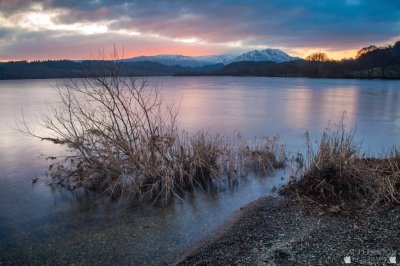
[{"x": 123, "y": 140}]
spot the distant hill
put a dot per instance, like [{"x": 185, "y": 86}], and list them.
[
  {"x": 40, "y": 69},
  {"x": 274, "y": 55},
  {"x": 246, "y": 68},
  {"x": 73, "y": 69},
  {"x": 186, "y": 61},
  {"x": 371, "y": 62}
]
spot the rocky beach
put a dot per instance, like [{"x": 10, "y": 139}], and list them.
[{"x": 279, "y": 231}]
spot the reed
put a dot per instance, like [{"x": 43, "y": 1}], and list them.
[{"x": 337, "y": 175}]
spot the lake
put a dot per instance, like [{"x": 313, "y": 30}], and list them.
[{"x": 39, "y": 225}]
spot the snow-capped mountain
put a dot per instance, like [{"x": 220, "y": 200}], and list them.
[
  {"x": 190, "y": 61},
  {"x": 170, "y": 60},
  {"x": 274, "y": 55},
  {"x": 217, "y": 59}
]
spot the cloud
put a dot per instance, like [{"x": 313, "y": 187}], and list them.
[
  {"x": 329, "y": 25},
  {"x": 5, "y": 32},
  {"x": 81, "y": 46},
  {"x": 224, "y": 21}
]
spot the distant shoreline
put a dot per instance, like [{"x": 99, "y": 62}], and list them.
[
  {"x": 183, "y": 76},
  {"x": 368, "y": 66}
]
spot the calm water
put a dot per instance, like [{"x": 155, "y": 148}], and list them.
[{"x": 38, "y": 225}]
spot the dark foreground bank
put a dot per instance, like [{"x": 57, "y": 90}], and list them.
[{"x": 278, "y": 231}]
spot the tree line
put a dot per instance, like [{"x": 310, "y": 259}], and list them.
[{"x": 370, "y": 62}]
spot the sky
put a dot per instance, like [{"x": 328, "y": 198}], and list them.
[{"x": 75, "y": 29}]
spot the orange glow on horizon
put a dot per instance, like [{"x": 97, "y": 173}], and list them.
[
  {"x": 86, "y": 53},
  {"x": 335, "y": 55},
  {"x": 338, "y": 55}
]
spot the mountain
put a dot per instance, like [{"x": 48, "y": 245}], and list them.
[
  {"x": 170, "y": 60},
  {"x": 186, "y": 61},
  {"x": 217, "y": 59},
  {"x": 383, "y": 62},
  {"x": 272, "y": 55}
]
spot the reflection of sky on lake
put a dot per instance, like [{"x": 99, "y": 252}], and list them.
[
  {"x": 34, "y": 220},
  {"x": 289, "y": 107}
]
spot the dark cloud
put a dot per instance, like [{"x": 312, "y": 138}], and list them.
[
  {"x": 10, "y": 6},
  {"x": 5, "y": 33},
  {"x": 341, "y": 24},
  {"x": 289, "y": 23},
  {"x": 30, "y": 45}
]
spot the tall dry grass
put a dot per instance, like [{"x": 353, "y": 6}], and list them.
[{"x": 337, "y": 174}]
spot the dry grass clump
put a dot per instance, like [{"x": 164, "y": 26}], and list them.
[
  {"x": 261, "y": 155},
  {"x": 331, "y": 174},
  {"x": 386, "y": 175},
  {"x": 338, "y": 176},
  {"x": 199, "y": 160},
  {"x": 123, "y": 141}
]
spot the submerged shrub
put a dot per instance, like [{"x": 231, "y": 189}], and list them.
[{"x": 123, "y": 140}]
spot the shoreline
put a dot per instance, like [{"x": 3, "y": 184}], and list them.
[
  {"x": 222, "y": 229},
  {"x": 210, "y": 76},
  {"x": 276, "y": 230}
]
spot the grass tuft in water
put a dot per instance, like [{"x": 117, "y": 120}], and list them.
[{"x": 338, "y": 176}]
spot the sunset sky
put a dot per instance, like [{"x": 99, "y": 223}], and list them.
[{"x": 78, "y": 29}]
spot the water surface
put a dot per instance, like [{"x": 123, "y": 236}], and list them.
[{"x": 38, "y": 225}]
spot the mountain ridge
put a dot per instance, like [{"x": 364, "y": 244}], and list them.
[{"x": 269, "y": 54}]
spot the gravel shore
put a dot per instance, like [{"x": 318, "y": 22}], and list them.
[{"x": 277, "y": 231}]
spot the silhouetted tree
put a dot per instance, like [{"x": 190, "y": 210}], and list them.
[
  {"x": 396, "y": 48},
  {"x": 366, "y": 50},
  {"x": 318, "y": 56},
  {"x": 367, "y": 60}
]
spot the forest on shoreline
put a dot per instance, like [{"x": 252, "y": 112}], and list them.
[{"x": 370, "y": 63}]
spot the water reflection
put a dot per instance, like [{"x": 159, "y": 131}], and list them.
[
  {"x": 298, "y": 109},
  {"x": 60, "y": 226}
]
